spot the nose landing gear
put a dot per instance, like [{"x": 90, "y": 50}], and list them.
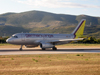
[
  {"x": 21, "y": 48},
  {"x": 54, "y": 48}
]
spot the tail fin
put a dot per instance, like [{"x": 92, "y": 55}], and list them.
[{"x": 78, "y": 32}]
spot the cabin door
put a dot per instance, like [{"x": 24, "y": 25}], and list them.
[{"x": 23, "y": 37}]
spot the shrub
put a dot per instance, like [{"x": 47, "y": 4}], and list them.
[
  {"x": 12, "y": 58},
  {"x": 35, "y": 60},
  {"x": 78, "y": 55},
  {"x": 86, "y": 59}
]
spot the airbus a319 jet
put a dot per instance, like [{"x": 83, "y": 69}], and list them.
[{"x": 47, "y": 40}]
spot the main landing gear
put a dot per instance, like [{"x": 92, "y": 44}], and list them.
[
  {"x": 43, "y": 48},
  {"x": 54, "y": 48},
  {"x": 21, "y": 48}
]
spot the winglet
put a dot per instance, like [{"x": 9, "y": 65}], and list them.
[{"x": 78, "y": 32}]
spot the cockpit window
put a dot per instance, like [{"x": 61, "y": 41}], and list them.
[{"x": 15, "y": 36}]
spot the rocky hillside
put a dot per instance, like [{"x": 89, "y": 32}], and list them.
[{"x": 45, "y": 22}]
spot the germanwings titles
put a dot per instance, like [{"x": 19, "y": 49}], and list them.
[
  {"x": 47, "y": 40},
  {"x": 38, "y": 35}
]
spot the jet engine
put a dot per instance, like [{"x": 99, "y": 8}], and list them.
[
  {"x": 30, "y": 46},
  {"x": 46, "y": 45}
]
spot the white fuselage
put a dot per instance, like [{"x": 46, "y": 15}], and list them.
[{"x": 36, "y": 38}]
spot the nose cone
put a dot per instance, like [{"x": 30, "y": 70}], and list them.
[{"x": 9, "y": 41}]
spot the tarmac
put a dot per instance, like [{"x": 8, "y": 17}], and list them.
[{"x": 26, "y": 51}]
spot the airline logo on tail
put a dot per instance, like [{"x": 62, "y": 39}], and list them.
[{"x": 78, "y": 32}]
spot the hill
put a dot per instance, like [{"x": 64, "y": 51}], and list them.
[
  {"x": 9, "y": 30},
  {"x": 45, "y": 22}
]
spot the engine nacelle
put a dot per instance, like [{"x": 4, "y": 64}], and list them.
[
  {"x": 46, "y": 45},
  {"x": 30, "y": 46}
]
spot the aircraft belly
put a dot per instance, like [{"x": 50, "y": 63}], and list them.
[{"x": 30, "y": 43}]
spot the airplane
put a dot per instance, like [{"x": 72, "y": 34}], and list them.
[{"x": 47, "y": 40}]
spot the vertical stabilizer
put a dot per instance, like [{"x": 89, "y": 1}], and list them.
[{"x": 78, "y": 32}]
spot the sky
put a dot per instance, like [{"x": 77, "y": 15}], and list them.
[{"x": 71, "y": 7}]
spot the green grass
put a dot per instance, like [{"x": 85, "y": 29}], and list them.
[
  {"x": 57, "y": 64},
  {"x": 12, "y": 58},
  {"x": 6, "y": 45},
  {"x": 1, "y": 44},
  {"x": 79, "y": 44},
  {"x": 75, "y": 44}
]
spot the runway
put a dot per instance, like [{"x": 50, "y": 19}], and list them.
[{"x": 15, "y": 51}]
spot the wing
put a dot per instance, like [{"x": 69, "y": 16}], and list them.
[
  {"x": 64, "y": 40},
  {"x": 71, "y": 39}
]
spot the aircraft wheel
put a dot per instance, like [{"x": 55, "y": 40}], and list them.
[
  {"x": 54, "y": 48},
  {"x": 20, "y": 49},
  {"x": 43, "y": 48}
]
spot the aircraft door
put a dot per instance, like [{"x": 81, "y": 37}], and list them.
[{"x": 22, "y": 37}]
